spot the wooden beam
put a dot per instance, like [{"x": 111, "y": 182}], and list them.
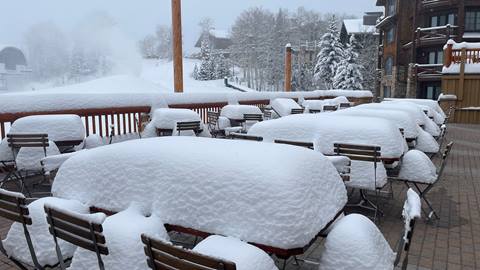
[
  {"x": 177, "y": 45},
  {"x": 288, "y": 68}
]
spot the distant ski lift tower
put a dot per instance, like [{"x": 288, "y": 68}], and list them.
[{"x": 177, "y": 45}]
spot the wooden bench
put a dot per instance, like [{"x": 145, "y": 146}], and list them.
[
  {"x": 308, "y": 145},
  {"x": 194, "y": 126},
  {"x": 297, "y": 111},
  {"x": 78, "y": 231},
  {"x": 314, "y": 111},
  {"x": 164, "y": 256},
  {"x": 240, "y": 136},
  {"x": 345, "y": 105},
  {"x": 14, "y": 208},
  {"x": 329, "y": 108},
  {"x": 253, "y": 117}
]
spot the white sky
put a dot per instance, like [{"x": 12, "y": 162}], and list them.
[{"x": 138, "y": 18}]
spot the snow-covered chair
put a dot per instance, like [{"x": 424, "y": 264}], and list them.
[
  {"x": 329, "y": 108},
  {"x": 363, "y": 157},
  {"x": 419, "y": 171},
  {"x": 308, "y": 145},
  {"x": 297, "y": 111},
  {"x": 344, "y": 105},
  {"x": 242, "y": 136},
  {"x": 190, "y": 126},
  {"x": 85, "y": 231},
  {"x": 28, "y": 150},
  {"x": 13, "y": 207},
  {"x": 250, "y": 120},
  {"x": 355, "y": 242},
  {"x": 162, "y": 254},
  {"x": 213, "y": 125}
]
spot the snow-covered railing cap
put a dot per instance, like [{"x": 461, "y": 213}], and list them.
[{"x": 447, "y": 97}]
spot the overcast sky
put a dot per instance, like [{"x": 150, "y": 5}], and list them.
[{"x": 138, "y": 18}]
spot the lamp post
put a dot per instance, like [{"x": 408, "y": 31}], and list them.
[{"x": 177, "y": 45}]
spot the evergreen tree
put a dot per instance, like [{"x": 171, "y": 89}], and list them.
[
  {"x": 330, "y": 55},
  {"x": 222, "y": 69},
  {"x": 207, "y": 67},
  {"x": 195, "y": 72},
  {"x": 349, "y": 74}
]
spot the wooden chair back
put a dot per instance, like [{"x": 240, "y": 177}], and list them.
[
  {"x": 253, "y": 117},
  {"x": 191, "y": 125},
  {"x": 267, "y": 113},
  {"x": 297, "y": 111},
  {"x": 308, "y": 145},
  {"x": 314, "y": 111},
  {"x": 240, "y": 136},
  {"x": 164, "y": 256},
  {"x": 345, "y": 105},
  {"x": 212, "y": 119},
  {"x": 17, "y": 141},
  {"x": 78, "y": 231},
  {"x": 329, "y": 108},
  {"x": 368, "y": 153}
]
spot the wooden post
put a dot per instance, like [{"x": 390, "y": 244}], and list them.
[
  {"x": 177, "y": 45},
  {"x": 448, "y": 55},
  {"x": 288, "y": 68}
]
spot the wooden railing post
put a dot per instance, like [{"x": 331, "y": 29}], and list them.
[
  {"x": 288, "y": 68},
  {"x": 177, "y": 45},
  {"x": 448, "y": 55}
]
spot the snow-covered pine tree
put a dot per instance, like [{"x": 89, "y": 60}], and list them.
[
  {"x": 349, "y": 74},
  {"x": 222, "y": 68},
  {"x": 207, "y": 67},
  {"x": 195, "y": 72},
  {"x": 330, "y": 55}
]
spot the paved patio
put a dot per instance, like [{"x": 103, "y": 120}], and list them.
[{"x": 451, "y": 243}]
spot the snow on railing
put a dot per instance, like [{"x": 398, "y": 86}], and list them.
[{"x": 461, "y": 57}]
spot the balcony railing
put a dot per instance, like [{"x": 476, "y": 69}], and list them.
[
  {"x": 429, "y": 4},
  {"x": 428, "y": 72},
  {"x": 438, "y": 35},
  {"x": 462, "y": 57}
]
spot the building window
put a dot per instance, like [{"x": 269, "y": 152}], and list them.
[
  {"x": 432, "y": 92},
  {"x": 442, "y": 20},
  {"x": 472, "y": 21},
  {"x": 435, "y": 57},
  {"x": 389, "y": 66},
  {"x": 390, "y": 35},
  {"x": 391, "y": 7},
  {"x": 387, "y": 92}
]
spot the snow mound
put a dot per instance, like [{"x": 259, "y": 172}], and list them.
[
  {"x": 5, "y": 151},
  {"x": 94, "y": 141},
  {"x": 16, "y": 245},
  {"x": 244, "y": 255},
  {"x": 284, "y": 106},
  {"x": 67, "y": 127},
  {"x": 318, "y": 104},
  {"x": 166, "y": 118},
  {"x": 362, "y": 175},
  {"x": 28, "y": 158},
  {"x": 237, "y": 111},
  {"x": 51, "y": 163},
  {"x": 401, "y": 119},
  {"x": 356, "y": 243},
  {"x": 326, "y": 129},
  {"x": 413, "y": 206},
  {"x": 426, "y": 102},
  {"x": 417, "y": 167},
  {"x": 277, "y": 195},
  {"x": 123, "y": 238},
  {"x": 426, "y": 143}
]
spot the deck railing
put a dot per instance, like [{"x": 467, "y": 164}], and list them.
[
  {"x": 126, "y": 120},
  {"x": 461, "y": 56}
]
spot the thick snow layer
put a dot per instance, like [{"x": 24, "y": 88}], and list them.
[
  {"x": 51, "y": 163},
  {"x": 318, "y": 104},
  {"x": 326, "y": 129},
  {"x": 28, "y": 158},
  {"x": 401, "y": 119},
  {"x": 167, "y": 118},
  {"x": 123, "y": 238},
  {"x": 356, "y": 243},
  {"x": 341, "y": 163},
  {"x": 94, "y": 141},
  {"x": 473, "y": 68},
  {"x": 16, "y": 245},
  {"x": 237, "y": 111},
  {"x": 362, "y": 175},
  {"x": 447, "y": 97},
  {"x": 6, "y": 153},
  {"x": 244, "y": 255},
  {"x": 462, "y": 45},
  {"x": 278, "y": 195},
  {"x": 417, "y": 167},
  {"x": 426, "y": 143},
  {"x": 284, "y": 106},
  {"x": 66, "y": 127},
  {"x": 426, "y": 102},
  {"x": 413, "y": 206}
]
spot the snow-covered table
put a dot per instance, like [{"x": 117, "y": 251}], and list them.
[
  {"x": 165, "y": 120},
  {"x": 226, "y": 187},
  {"x": 236, "y": 112},
  {"x": 66, "y": 130},
  {"x": 284, "y": 106}
]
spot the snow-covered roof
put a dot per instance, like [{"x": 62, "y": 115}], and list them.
[
  {"x": 232, "y": 188},
  {"x": 220, "y": 33},
  {"x": 356, "y": 26}
]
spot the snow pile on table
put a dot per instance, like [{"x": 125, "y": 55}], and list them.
[
  {"x": 417, "y": 167},
  {"x": 356, "y": 243},
  {"x": 284, "y": 106},
  {"x": 362, "y": 175},
  {"x": 237, "y": 111},
  {"x": 318, "y": 104},
  {"x": 122, "y": 233},
  {"x": 94, "y": 141},
  {"x": 67, "y": 127},
  {"x": 326, "y": 129},
  {"x": 426, "y": 143},
  {"x": 6, "y": 153},
  {"x": 277, "y": 195},
  {"x": 51, "y": 163},
  {"x": 28, "y": 158},
  {"x": 432, "y": 104},
  {"x": 401, "y": 119},
  {"x": 16, "y": 245},
  {"x": 244, "y": 255},
  {"x": 166, "y": 118}
]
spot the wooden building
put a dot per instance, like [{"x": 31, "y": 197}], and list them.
[{"x": 413, "y": 35}]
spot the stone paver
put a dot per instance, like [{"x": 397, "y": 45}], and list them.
[{"x": 453, "y": 242}]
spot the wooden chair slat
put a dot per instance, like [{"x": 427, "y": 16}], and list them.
[
  {"x": 57, "y": 215},
  {"x": 13, "y": 199},
  {"x": 296, "y": 143},
  {"x": 357, "y": 146},
  {"x": 178, "y": 263},
  {"x": 13, "y": 207},
  {"x": 360, "y": 152},
  {"x": 246, "y": 137},
  {"x": 13, "y": 216},
  {"x": 158, "y": 266},
  {"x": 297, "y": 111},
  {"x": 78, "y": 241},
  {"x": 361, "y": 158},
  {"x": 253, "y": 117},
  {"x": 27, "y": 135},
  {"x": 79, "y": 231},
  {"x": 329, "y": 108}
]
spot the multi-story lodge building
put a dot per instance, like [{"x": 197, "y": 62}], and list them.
[{"x": 413, "y": 34}]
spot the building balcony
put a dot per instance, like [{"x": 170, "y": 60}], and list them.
[
  {"x": 428, "y": 72},
  {"x": 433, "y": 36},
  {"x": 433, "y": 4}
]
